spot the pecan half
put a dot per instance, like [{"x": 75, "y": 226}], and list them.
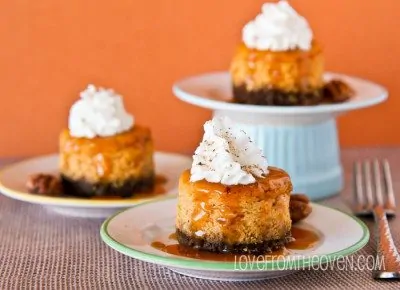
[
  {"x": 44, "y": 184},
  {"x": 300, "y": 207},
  {"x": 337, "y": 91}
]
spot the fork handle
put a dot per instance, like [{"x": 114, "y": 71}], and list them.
[{"x": 387, "y": 261}]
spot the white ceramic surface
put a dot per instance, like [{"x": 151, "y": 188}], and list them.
[
  {"x": 214, "y": 91},
  {"x": 14, "y": 177},
  {"x": 131, "y": 232}
]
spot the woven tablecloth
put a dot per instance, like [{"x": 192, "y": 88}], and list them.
[{"x": 43, "y": 250}]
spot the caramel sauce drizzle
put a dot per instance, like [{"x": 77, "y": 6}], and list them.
[
  {"x": 215, "y": 201},
  {"x": 96, "y": 145},
  {"x": 172, "y": 237},
  {"x": 304, "y": 239}
]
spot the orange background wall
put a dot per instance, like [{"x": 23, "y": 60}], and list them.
[{"x": 51, "y": 49}]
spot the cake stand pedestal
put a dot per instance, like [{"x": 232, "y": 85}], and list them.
[
  {"x": 301, "y": 140},
  {"x": 309, "y": 153}
]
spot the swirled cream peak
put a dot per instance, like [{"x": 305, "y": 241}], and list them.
[
  {"x": 227, "y": 155},
  {"x": 278, "y": 28},
  {"x": 99, "y": 112}
]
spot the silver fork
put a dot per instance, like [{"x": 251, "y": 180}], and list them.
[{"x": 373, "y": 190}]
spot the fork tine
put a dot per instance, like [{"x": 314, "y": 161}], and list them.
[
  {"x": 358, "y": 186},
  {"x": 378, "y": 182},
  {"x": 368, "y": 183},
  {"x": 391, "y": 203}
]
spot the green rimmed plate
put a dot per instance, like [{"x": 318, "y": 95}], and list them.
[{"x": 131, "y": 232}]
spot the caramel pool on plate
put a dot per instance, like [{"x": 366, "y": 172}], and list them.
[{"x": 304, "y": 239}]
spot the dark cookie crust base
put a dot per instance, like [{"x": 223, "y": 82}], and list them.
[
  {"x": 220, "y": 247},
  {"x": 275, "y": 97},
  {"x": 83, "y": 188}
]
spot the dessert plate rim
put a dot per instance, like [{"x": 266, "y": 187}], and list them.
[
  {"x": 77, "y": 201},
  {"x": 183, "y": 89},
  {"x": 176, "y": 262}
]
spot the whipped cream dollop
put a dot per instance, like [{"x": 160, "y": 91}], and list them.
[
  {"x": 99, "y": 112},
  {"x": 227, "y": 155},
  {"x": 278, "y": 28}
]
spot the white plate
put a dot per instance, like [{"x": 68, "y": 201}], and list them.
[
  {"x": 14, "y": 177},
  {"x": 214, "y": 91},
  {"x": 131, "y": 232}
]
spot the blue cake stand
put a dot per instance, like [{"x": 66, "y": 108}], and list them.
[{"x": 302, "y": 140}]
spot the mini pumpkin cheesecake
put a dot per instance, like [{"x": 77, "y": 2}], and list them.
[
  {"x": 231, "y": 201},
  {"x": 279, "y": 61},
  {"x": 103, "y": 153}
]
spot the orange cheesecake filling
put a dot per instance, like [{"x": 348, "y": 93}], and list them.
[
  {"x": 111, "y": 159},
  {"x": 219, "y": 212},
  {"x": 291, "y": 71}
]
